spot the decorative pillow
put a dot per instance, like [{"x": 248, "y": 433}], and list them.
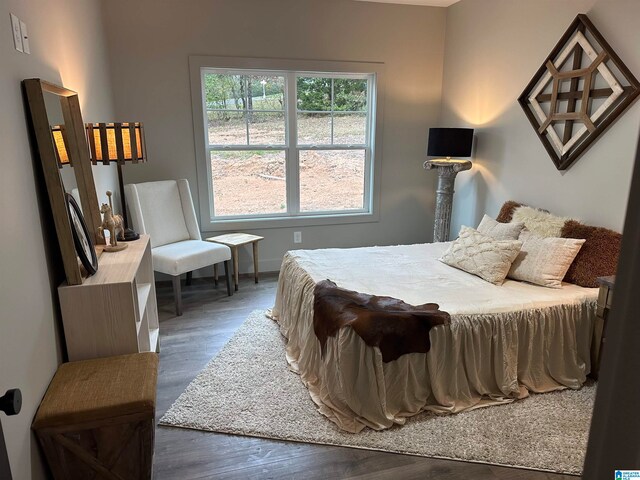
[
  {"x": 598, "y": 257},
  {"x": 544, "y": 260},
  {"x": 539, "y": 222},
  {"x": 506, "y": 212},
  {"x": 482, "y": 255},
  {"x": 499, "y": 231}
]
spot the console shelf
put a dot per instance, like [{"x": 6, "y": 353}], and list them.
[{"x": 114, "y": 311}]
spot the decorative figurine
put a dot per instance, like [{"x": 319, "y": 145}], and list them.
[{"x": 112, "y": 223}]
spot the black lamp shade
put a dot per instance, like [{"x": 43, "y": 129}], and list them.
[{"x": 450, "y": 142}]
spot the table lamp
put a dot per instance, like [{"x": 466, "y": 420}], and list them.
[
  {"x": 445, "y": 143},
  {"x": 119, "y": 143}
]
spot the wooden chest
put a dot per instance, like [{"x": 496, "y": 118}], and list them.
[{"x": 97, "y": 418}]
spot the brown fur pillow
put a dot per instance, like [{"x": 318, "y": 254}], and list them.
[
  {"x": 598, "y": 257},
  {"x": 506, "y": 212}
]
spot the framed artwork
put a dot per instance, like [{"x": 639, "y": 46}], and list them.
[
  {"x": 580, "y": 90},
  {"x": 81, "y": 237}
]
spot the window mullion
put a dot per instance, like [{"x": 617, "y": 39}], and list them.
[
  {"x": 368, "y": 186},
  {"x": 332, "y": 117},
  {"x": 246, "y": 106},
  {"x": 370, "y": 112},
  {"x": 369, "y": 139},
  {"x": 292, "y": 157}
]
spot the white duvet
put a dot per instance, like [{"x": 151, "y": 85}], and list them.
[{"x": 503, "y": 341}]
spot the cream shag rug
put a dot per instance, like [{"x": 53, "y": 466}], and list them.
[{"x": 247, "y": 389}]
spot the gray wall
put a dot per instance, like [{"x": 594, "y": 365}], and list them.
[
  {"x": 149, "y": 50},
  {"x": 67, "y": 48},
  {"x": 493, "y": 48}
]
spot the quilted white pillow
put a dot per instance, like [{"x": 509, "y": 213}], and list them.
[
  {"x": 500, "y": 231},
  {"x": 539, "y": 222},
  {"x": 544, "y": 260},
  {"x": 482, "y": 255}
]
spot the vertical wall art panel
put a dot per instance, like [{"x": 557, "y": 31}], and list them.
[{"x": 578, "y": 92}]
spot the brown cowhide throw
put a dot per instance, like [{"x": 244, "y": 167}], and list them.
[{"x": 395, "y": 327}]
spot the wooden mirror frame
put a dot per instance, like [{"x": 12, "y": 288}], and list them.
[{"x": 78, "y": 152}]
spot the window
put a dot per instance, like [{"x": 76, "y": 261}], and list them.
[
  {"x": 331, "y": 142},
  {"x": 246, "y": 136},
  {"x": 282, "y": 144}
]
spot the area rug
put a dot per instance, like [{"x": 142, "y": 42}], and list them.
[{"x": 247, "y": 389}]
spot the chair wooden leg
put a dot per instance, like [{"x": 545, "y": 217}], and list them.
[
  {"x": 227, "y": 276},
  {"x": 189, "y": 278},
  {"x": 177, "y": 294},
  {"x": 215, "y": 274}
]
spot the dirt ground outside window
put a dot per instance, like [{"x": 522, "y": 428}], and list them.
[{"x": 254, "y": 182}]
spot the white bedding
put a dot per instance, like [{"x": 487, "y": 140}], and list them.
[{"x": 503, "y": 341}]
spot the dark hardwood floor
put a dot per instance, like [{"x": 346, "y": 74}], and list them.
[{"x": 187, "y": 343}]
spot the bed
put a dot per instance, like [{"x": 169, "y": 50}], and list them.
[{"x": 502, "y": 343}]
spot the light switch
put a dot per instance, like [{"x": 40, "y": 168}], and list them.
[
  {"x": 25, "y": 37},
  {"x": 17, "y": 35}
]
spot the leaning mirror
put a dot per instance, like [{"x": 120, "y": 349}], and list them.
[{"x": 59, "y": 134}]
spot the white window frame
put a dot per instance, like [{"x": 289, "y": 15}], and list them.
[{"x": 200, "y": 65}]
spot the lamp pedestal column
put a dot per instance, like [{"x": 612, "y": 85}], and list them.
[{"x": 447, "y": 171}]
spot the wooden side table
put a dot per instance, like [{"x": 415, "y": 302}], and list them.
[
  {"x": 605, "y": 297},
  {"x": 233, "y": 241}
]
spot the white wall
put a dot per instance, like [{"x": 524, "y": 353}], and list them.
[
  {"x": 492, "y": 49},
  {"x": 149, "y": 50},
  {"x": 68, "y": 48}
]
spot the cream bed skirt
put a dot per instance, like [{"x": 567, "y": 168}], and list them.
[{"x": 502, "y": 343}]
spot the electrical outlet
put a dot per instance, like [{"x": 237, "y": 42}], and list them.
[
  {"x": 297, "y": 237},
  {"x": 17, "y": 35}
]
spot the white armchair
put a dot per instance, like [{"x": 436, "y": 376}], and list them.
[{"x": 164, "y": 210}]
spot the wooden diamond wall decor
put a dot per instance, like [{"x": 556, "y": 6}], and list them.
[{"x": 578, "y": 92}]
